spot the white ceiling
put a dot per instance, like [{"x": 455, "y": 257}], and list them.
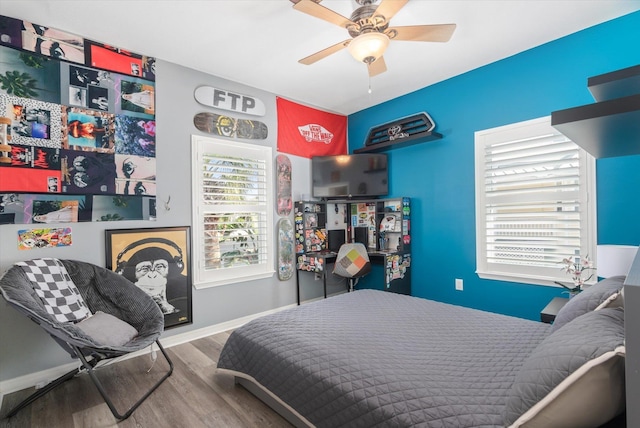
[{"x": 259, "y": 42}]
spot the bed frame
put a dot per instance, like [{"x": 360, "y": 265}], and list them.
[{"x": 264, "y": 395}]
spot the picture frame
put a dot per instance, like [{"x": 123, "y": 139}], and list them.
[{"x": 158, "y": 260}]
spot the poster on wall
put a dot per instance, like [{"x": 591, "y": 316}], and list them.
[
  {"x": 120, "y": 60},
  {"x": 43, "y": 75},
  {"x": 88, "y": 130},
  {"x": 73, "y": 104},
  {"x": 51, "y": 42},
  {"x": 137, "y": 97},
  {"x": 158, "y": 261},
  {"x": 22, "y": 208},
  {"x": 33, "y": 122},
  {"x": 136, "y": 175},
  {"x": 135, "y": 136}
]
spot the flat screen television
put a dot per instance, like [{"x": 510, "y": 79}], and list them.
[{"x": 362, "y": 175}]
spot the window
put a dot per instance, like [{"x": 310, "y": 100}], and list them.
[
  {"x": 535, "y": 202},
  {"x": 232, "y": 213}
]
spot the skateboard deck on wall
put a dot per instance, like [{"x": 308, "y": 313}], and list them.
[
  {"x": 286, "y": 258},
  {"x": 283, "y": 198},
  {"x": 227, "y": 126}
]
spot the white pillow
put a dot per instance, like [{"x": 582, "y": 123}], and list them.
[
  {"x": 616, "y": 300},
  {"x": 575, "y": 376},
  {"x": 564, "y": 405}
]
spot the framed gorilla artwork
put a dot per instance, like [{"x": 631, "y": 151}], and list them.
[{"x": 158, "y": 260}]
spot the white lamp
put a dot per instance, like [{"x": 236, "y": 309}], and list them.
[
  {"x": 615, "y": 259},
  {"x": 368, "y": 47}
]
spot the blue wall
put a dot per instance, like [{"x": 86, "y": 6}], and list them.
[{"x": 439, "y": 176}]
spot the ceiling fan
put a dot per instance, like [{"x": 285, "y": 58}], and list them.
[{"x": 370, "y": 32}]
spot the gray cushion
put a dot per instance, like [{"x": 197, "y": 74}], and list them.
[
  {"x": 575, "y": 377},
  {"x": 107, "y": 329},
  {"x": 588, "y": 300}
]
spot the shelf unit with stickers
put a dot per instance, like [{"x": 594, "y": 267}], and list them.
[
  {"x": 310, "y": 220},
  {"x": 388, "y": 240},
  {"x": 382, "y": 225}
]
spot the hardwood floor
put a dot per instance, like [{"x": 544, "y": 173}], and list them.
[{"x": 195, "y": 395}]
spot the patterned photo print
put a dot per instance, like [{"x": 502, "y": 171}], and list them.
[
  {"x": 33, "y": 122},
  {"x": 137, "y": 97},
  {"x": 88, "y": 130},
  {"x": 135, "y": 136},
  {"x": 26, "y": 75}
]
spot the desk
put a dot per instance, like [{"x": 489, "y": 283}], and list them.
[
  {"x": 396, "y": 270},
  {"x": 316, "y": 263},
  {"x": 550, "y": 311}
]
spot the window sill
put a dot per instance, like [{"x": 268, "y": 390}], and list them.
[
  {"x": 524, "y": 279},
  {"x": 202, "y": 284}
]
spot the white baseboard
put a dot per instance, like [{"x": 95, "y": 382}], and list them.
[{"x": 45, "y": 376}]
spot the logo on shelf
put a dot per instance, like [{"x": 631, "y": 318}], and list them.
[{"x": 395, "y": 133}]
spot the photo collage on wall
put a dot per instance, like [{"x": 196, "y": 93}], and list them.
[{"x": 82, "y": 132}]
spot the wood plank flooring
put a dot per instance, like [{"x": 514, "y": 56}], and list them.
[{"x": 195, "y": 395}]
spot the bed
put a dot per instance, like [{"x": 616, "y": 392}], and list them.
[{"x": 378, "y": 359}]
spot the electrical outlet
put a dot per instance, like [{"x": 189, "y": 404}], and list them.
[{"x": 459, "y": 286}]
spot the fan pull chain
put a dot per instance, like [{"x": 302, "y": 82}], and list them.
[{"x": 369, "y": 85}]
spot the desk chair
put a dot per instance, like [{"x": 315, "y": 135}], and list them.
[
  {"x": 91, "y": 312},
  {"x": 352, "y": 262}
]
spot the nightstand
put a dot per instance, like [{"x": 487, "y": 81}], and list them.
[{"x": 550, "y": 311}]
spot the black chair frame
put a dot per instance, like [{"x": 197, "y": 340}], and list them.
[{"x": 88, "y": 365}]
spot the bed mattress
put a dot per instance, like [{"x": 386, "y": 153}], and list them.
[{"x": 378, "y": 359}]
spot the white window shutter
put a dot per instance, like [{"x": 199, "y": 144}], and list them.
[
  {"x": 533, "y": 204},
  {"x": 233, "y": 221}
]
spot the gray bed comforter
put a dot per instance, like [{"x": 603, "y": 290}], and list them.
[{"x": 378, "y": 359}]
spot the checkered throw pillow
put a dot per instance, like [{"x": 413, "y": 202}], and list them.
[{"x": 54, "y": 286}]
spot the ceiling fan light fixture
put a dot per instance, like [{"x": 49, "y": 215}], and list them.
[{"x": 368, "y": 47}]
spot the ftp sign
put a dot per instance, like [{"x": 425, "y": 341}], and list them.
[{"x": 226, "y": 100}]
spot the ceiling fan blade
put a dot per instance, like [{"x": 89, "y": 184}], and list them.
[
  {"x": 377, "y": 67},
  {"x": 388, "y": 8},
  {"x": 324, "y": 52},
  {"x": 422, "y": 33},
  {"x": 317, "y": 10}
]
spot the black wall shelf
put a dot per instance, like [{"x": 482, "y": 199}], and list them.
[
  {"x": 604, "y": 129},
  {"x": 607, "y": 128},
  {"x": 617, "y": 84},
  {"x": 403, "y": 132},
  {"x": 401, "y": 142}
]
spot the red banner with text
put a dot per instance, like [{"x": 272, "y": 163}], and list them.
[{"x": 307, "y": 132}]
